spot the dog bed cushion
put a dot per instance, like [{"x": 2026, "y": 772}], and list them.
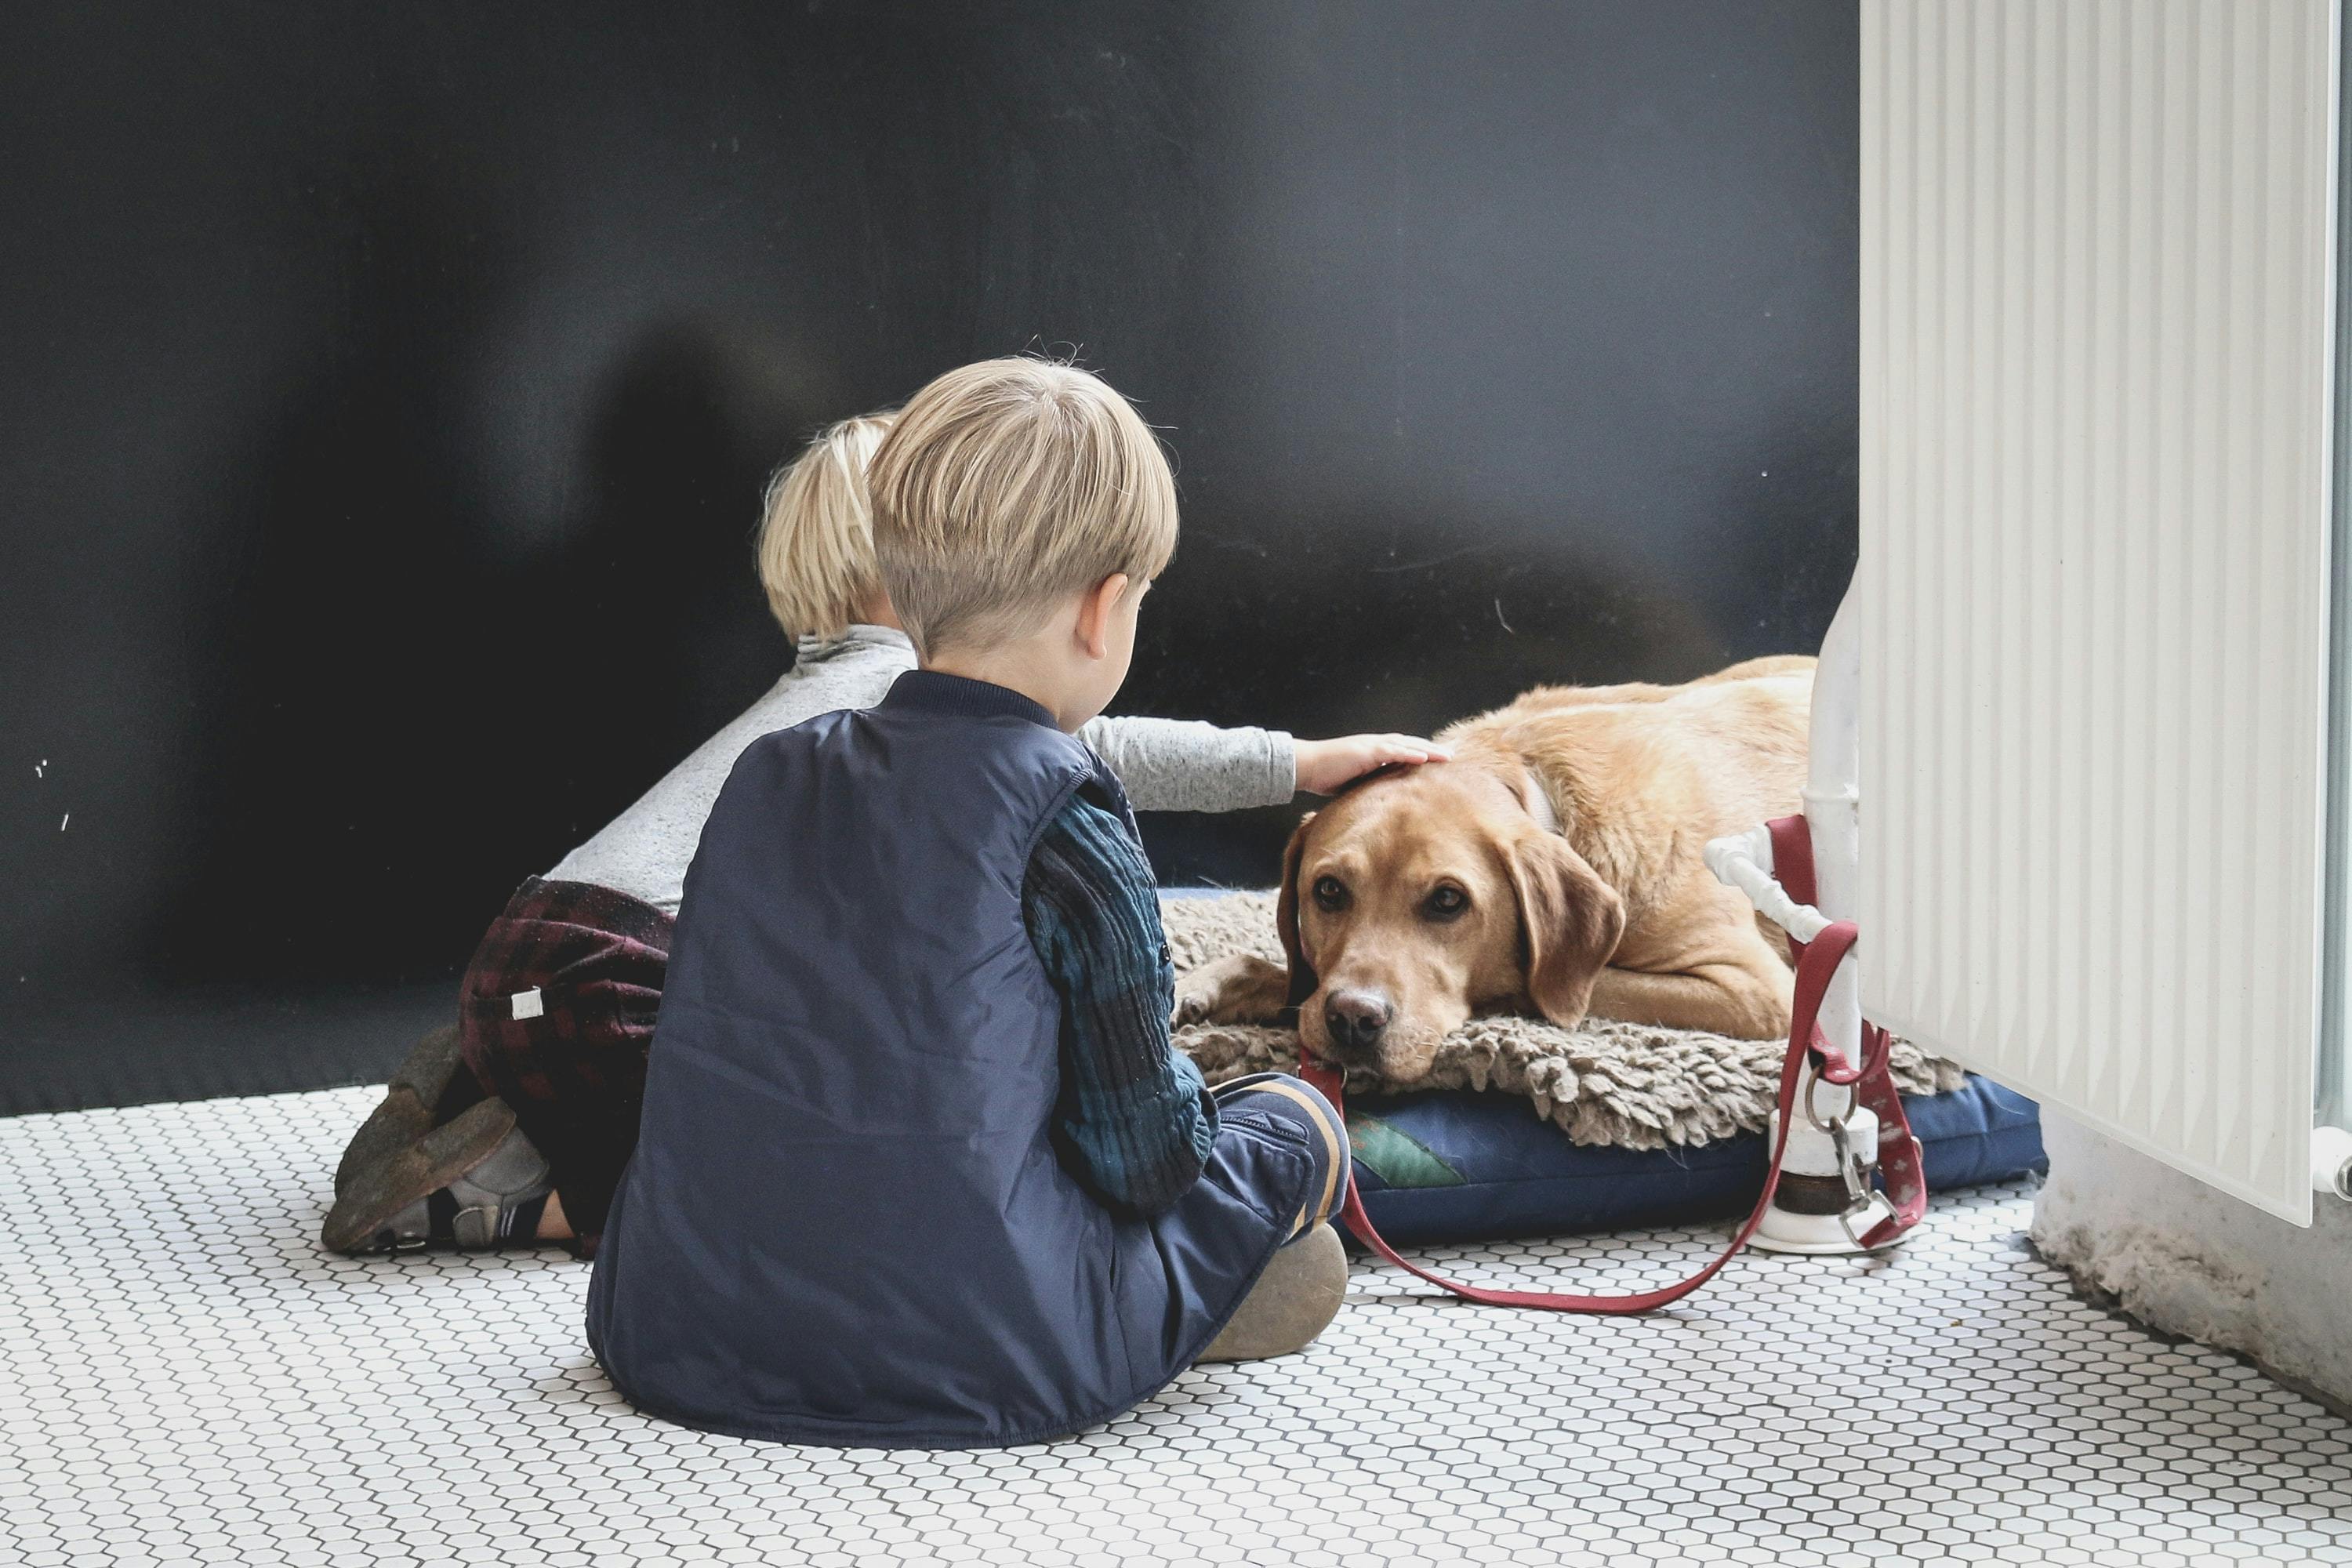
[
  {"x": 1462, "y": 1165},
  {"x": 1524, "y": 1128}
]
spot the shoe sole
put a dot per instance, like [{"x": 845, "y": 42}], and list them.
[
  {"x": 405, "y": 1112},
  {"x": 362, "y": 1218},
  {"x": 1292, "y": 1302}
]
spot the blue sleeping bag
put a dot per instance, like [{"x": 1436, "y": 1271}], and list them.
[{"x": 1460, "y": 1165}]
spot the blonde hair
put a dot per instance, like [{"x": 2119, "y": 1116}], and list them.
[
  {"x": 1005, "y": 487},
  {"x": 816, "y": 532}
]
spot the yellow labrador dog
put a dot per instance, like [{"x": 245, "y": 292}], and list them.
[{"x": 1552, "y": 868}]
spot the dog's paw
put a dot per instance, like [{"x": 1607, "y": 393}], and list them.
[{"x": 1241, "y": 989}]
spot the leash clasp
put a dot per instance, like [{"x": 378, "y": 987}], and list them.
[{"x": 1861, "y": 1196}]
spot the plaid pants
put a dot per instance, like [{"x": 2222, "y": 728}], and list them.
[{"x": 555, "y": 1017}]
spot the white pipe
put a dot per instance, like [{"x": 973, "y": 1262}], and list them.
[
  {"x": 1833, "y": 813},
  {"x": 1744, "y": 860}
]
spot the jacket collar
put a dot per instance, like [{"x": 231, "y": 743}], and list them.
[{"x": 935, "y": 691}]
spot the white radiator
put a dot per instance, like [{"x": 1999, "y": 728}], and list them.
[{"x": 2098, "y": 286}]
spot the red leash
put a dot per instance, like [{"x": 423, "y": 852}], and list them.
[{"x": 1899, "y": 1151}]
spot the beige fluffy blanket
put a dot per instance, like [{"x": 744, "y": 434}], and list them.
[{"x": 1633, "y": 1085}]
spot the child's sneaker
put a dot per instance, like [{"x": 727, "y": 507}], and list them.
[
  {"x": 1294, "y": 1300},
  {"x": 472, "y": 1183},
  {"x": 498, "y": 1201},
  {"x": 410, "y": 1101}
]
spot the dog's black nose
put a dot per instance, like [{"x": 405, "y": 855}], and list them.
[{"x": 1355, "y": 1018}]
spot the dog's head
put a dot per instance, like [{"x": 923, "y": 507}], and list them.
[{"x": 1420, "y": 897}]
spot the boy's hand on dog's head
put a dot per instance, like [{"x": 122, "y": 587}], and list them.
[{"x": 1326, "y": 767}]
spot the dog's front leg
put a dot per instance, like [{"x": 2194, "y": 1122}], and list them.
[
  {"x": 1743, "y": 1001},
  {"x": 1241, "y": 989}
]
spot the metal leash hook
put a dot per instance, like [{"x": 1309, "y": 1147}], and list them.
[
  {"x": 1861, "y": 1196},
  {"x": 1857, "y": 1167}
]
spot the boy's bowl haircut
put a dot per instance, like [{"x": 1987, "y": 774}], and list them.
[{"x": 1007, "y": 486}]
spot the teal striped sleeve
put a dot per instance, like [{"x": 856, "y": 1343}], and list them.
[{"x": 1135, "y": 1121}]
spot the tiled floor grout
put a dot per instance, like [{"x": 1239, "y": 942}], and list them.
[{"x": 185, "y": 1378}]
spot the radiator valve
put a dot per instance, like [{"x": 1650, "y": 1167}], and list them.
[{"x": 2331, "y": 1160}]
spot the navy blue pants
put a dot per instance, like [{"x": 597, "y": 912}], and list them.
[{"x": 1279, "y": 1096}]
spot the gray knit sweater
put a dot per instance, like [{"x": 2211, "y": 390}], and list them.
[{"x": 1166, "y": 764}]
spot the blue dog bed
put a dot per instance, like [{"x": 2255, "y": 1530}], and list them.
[{"x": 1460, "y": 1165}]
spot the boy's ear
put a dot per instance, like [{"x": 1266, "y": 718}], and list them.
[
  {"x": 1095, "y": 611},
  {"x": 1286, "y": 914}
]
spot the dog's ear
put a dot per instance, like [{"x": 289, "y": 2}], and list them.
[
  {"x": 1570, "y": 924},
  {"x": 1286, "y": 914}
]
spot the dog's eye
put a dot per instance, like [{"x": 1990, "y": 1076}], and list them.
[
  {"x": 1331, "y": 894},
  {"x": 1446, "y": 903}
]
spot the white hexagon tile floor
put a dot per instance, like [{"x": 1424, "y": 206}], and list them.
[{"x": 184, "y": 1378}]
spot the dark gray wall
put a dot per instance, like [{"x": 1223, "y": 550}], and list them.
[{"x": 387, "y": 390}]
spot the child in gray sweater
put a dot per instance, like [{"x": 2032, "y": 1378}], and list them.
[{"x": 513, "y": 1127}]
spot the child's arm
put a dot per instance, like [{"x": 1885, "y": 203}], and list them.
[
  {"x": 1172, "y": 764},
  {"x": 1175, "y": 765},
  {"x": 1135, "y": 1121}
]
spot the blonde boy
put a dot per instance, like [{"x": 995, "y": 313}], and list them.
[
  {"x": 918, "y": 1166},
  {"x": 511, "y": 1129}
]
